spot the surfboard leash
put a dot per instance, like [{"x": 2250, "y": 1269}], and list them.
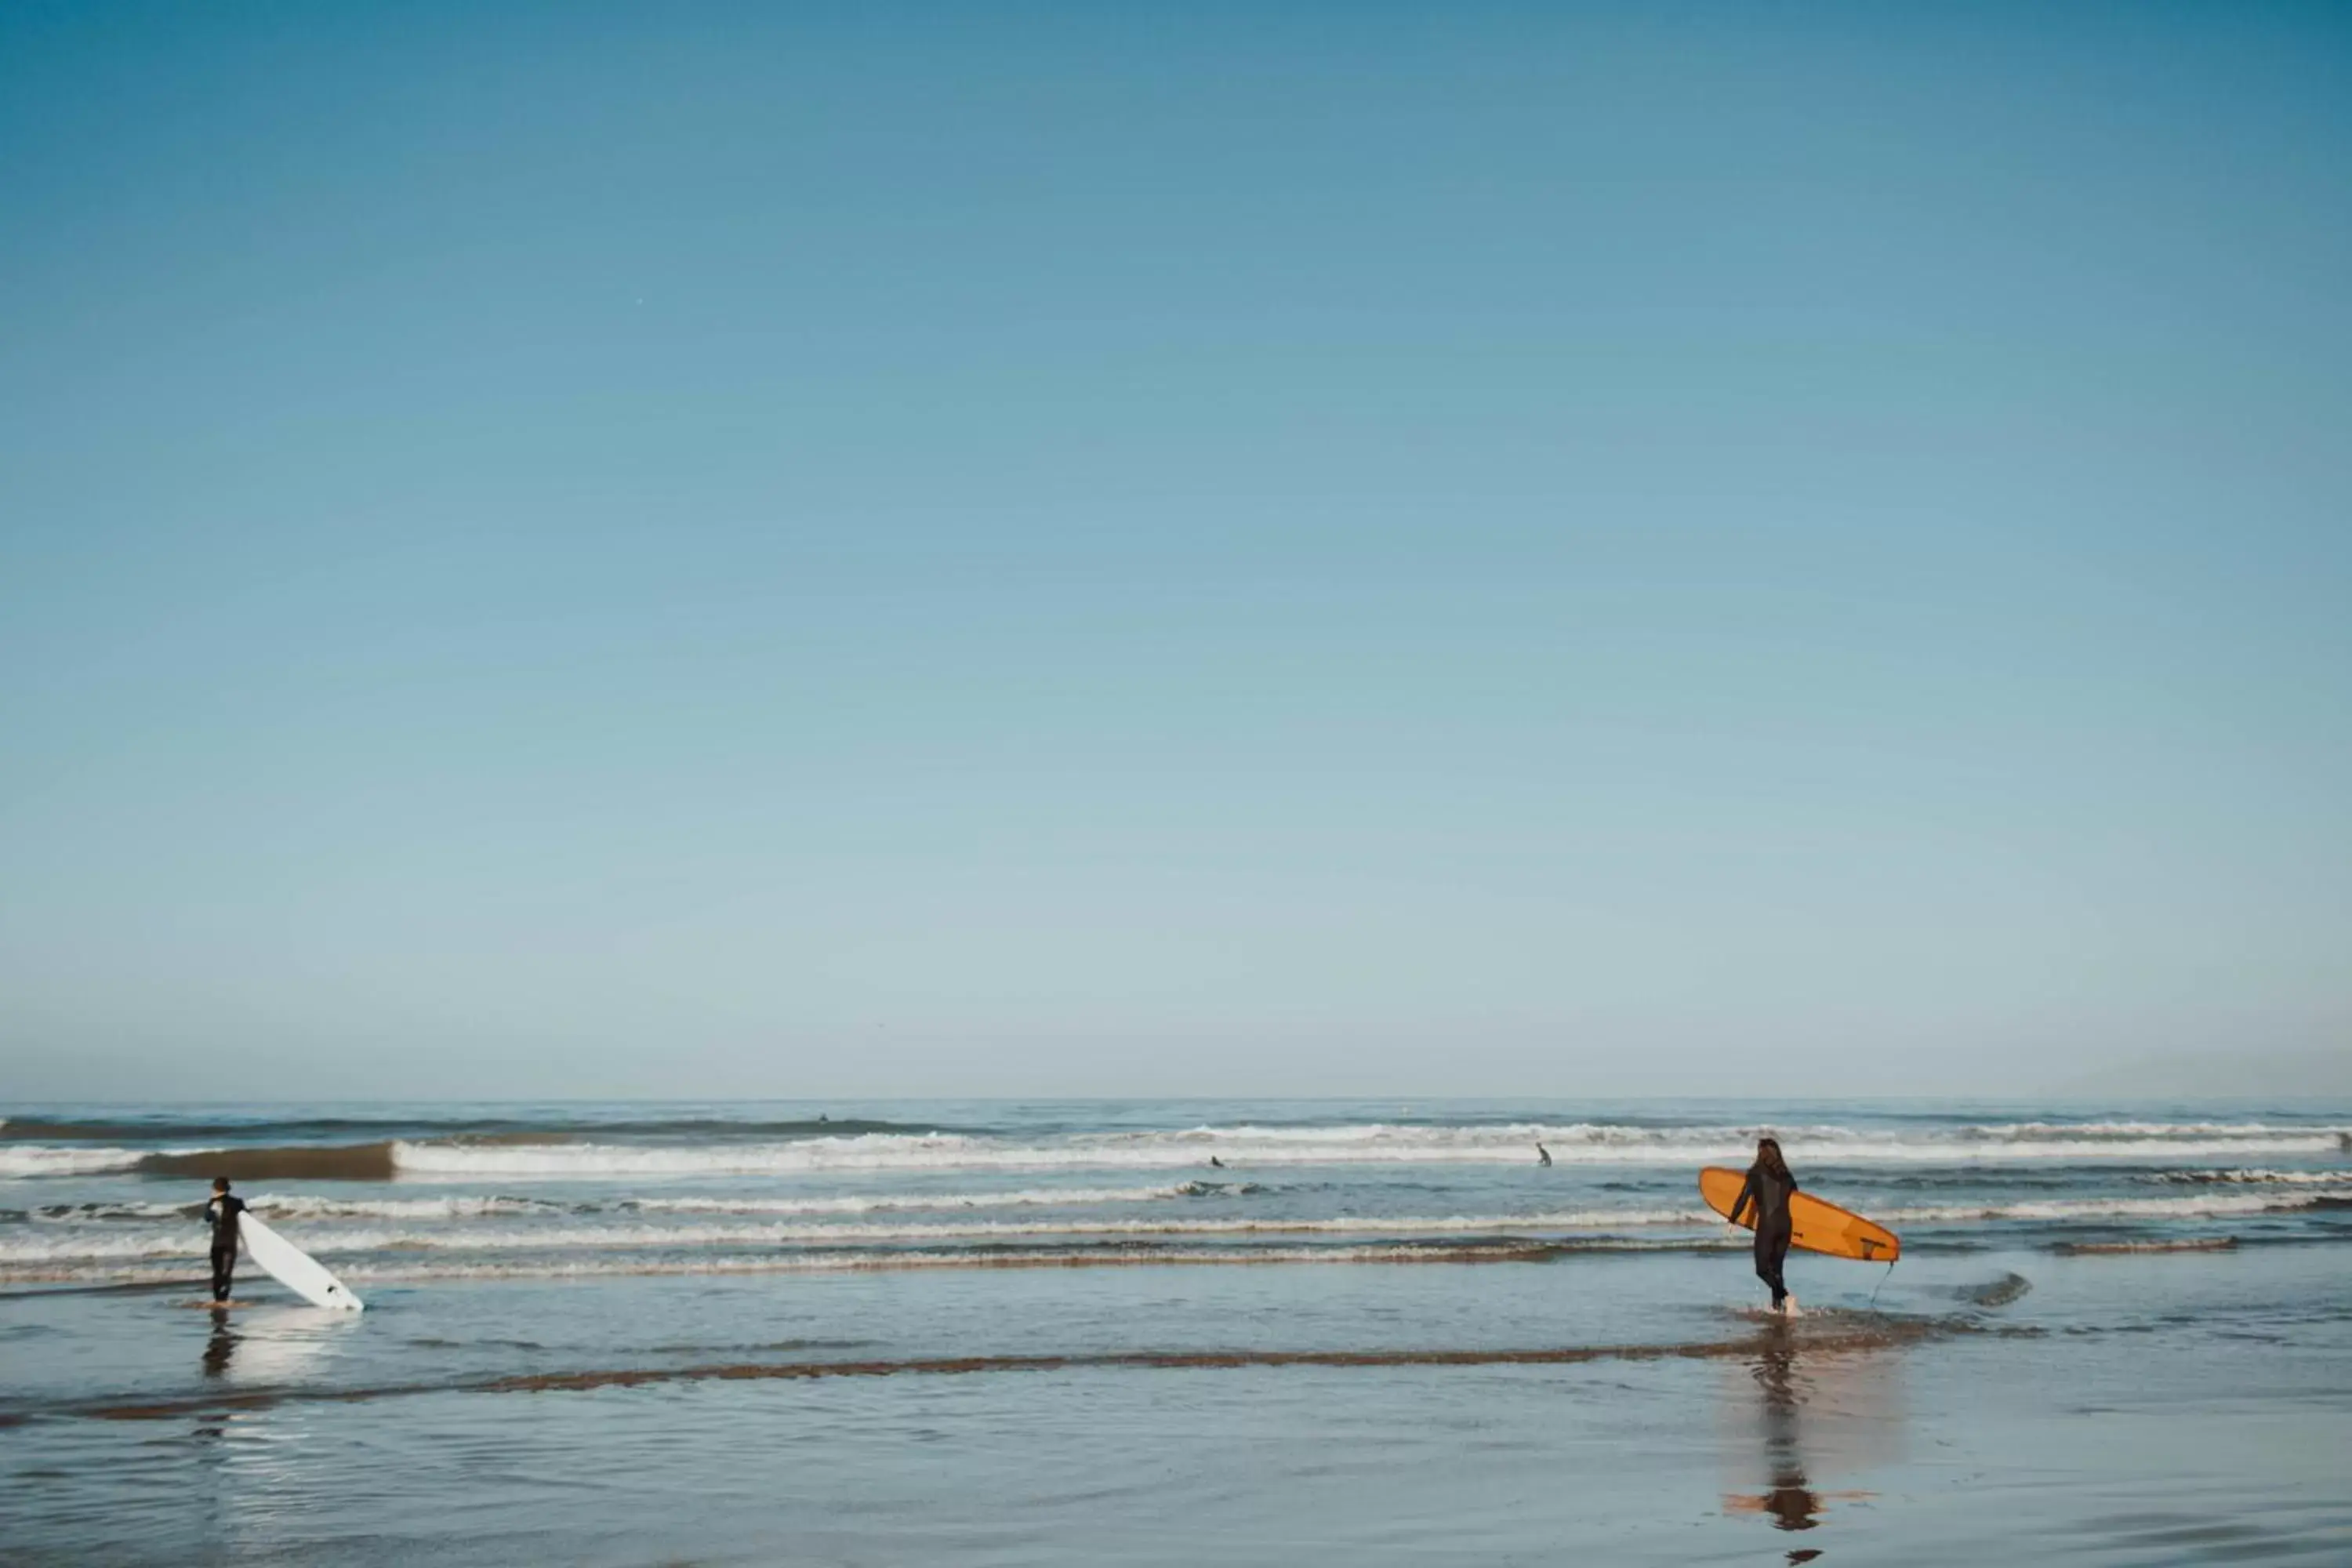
[{"x": 1883, "y": 1278}]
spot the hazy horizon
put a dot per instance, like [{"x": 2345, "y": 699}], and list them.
[{"x": 565, "y": 552}]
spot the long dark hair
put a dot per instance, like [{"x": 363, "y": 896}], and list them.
[{"x": 1769, "y": 1160}]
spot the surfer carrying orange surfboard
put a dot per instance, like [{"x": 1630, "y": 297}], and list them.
[
  {"x": 1768, "y": 1187},
  {"x": 1766, "y": 1196}
]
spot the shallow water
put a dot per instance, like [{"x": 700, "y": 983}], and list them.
[{"x": 1461, "y": 1358}]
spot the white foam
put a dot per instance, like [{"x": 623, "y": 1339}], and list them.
[
  {"x": 47, "y": 1160},
  {"x": 305, "y": 1205},
  {"x": 871, "y": 1262},
  {"x": 2213, "y": 1206},
  {"x": 1032, "y": 1197},
  {"x": 1364, "y": 1143},
  {"x": 1242, "y": 1146},
  {"x": 393, "y": 1266},
  {"x": 48, "y": 1246},
  {"x": 2256, "y": 1178},
  {"x": 313, "y": 1205},
  {"x": 82, "y": 1213},
  {"x": 2073, "y": 1132}
]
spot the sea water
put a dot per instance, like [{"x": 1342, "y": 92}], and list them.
[{"x": 1162, "y": 1332}]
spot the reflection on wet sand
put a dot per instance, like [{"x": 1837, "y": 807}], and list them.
[
  {"x": 221, "y": 1348},
  {"x": 247, "y": 1347},
  {"x": 1791, "y": 1502},
  {"x": 1837, "y": 1408},
  {"x": 265, "y": 1358}
]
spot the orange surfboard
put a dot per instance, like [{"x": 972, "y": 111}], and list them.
[{"x": 1814, "y": 1224}]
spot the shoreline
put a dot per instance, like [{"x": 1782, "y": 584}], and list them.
[{"x": 1840, "y": 1338}]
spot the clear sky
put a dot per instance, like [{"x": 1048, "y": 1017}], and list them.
[{"x": 698, "y": 550}]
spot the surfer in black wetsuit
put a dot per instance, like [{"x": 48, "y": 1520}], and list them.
[
  {"x": 221, "y": 1214},
  {"x": 1770, "y": 1186}
]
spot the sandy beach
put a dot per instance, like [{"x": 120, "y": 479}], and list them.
[{"x": 2052, "y": 1378}]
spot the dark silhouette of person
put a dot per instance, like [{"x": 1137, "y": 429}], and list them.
[
  {"x": 1770, "y": 1186},
  {"x": 221, "y": 1214},
  {"x": 1543, "y": 1155}
]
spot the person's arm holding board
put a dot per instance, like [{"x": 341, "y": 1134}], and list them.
[{"x": 1746, "y": 1195}]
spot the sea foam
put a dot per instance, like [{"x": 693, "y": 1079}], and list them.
[{"x": 1580, "y": 1143}]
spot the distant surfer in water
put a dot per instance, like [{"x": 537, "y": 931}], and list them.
[
  {"x": 1770, "y": 1186},
  {"x": 1543, "y": 1155},
  {"x": 1219, "y": 1164},
  {"x": 221, "y": 1214}
]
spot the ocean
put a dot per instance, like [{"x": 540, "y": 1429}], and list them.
[{"x": 1145, "y": 1332}]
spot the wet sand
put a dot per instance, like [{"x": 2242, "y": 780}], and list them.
[
  {"x": 2110, "y": 1410},
  {"x": 1847, "y": 1334},
  {"x": 631, "y": 1335}
]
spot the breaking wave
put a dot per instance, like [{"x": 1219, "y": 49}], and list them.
[
  {"x": 2074, "y": 1209},
  {"x": 1030, "y": 1197},
  {"x": 2254, "y": 1178},
  {"x": 1129, "y": 1253},
  {"x": 690, "y": 1148},
  {"x": 306, "y": 1206},
  {"x": 2120, "y": 1248},
  {"x": 323, "y": 1163},
  {"x": 1375, "y": 1143},
  {"x": 43, "y": 1246},
  {"x": 379, "y": 1129},
  {"x": 34, "y": 1161},
  {"x": 40, "y": 1248}
]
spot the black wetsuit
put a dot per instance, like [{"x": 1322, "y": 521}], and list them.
[
  {"x": 1770, "y": 1194},
  {"x": 221, "y": 1214}
]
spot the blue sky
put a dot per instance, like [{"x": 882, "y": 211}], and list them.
[{"x": 794, "y": 550}]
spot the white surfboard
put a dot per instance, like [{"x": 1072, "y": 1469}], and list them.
[{"x": 293, "y": 1268}]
